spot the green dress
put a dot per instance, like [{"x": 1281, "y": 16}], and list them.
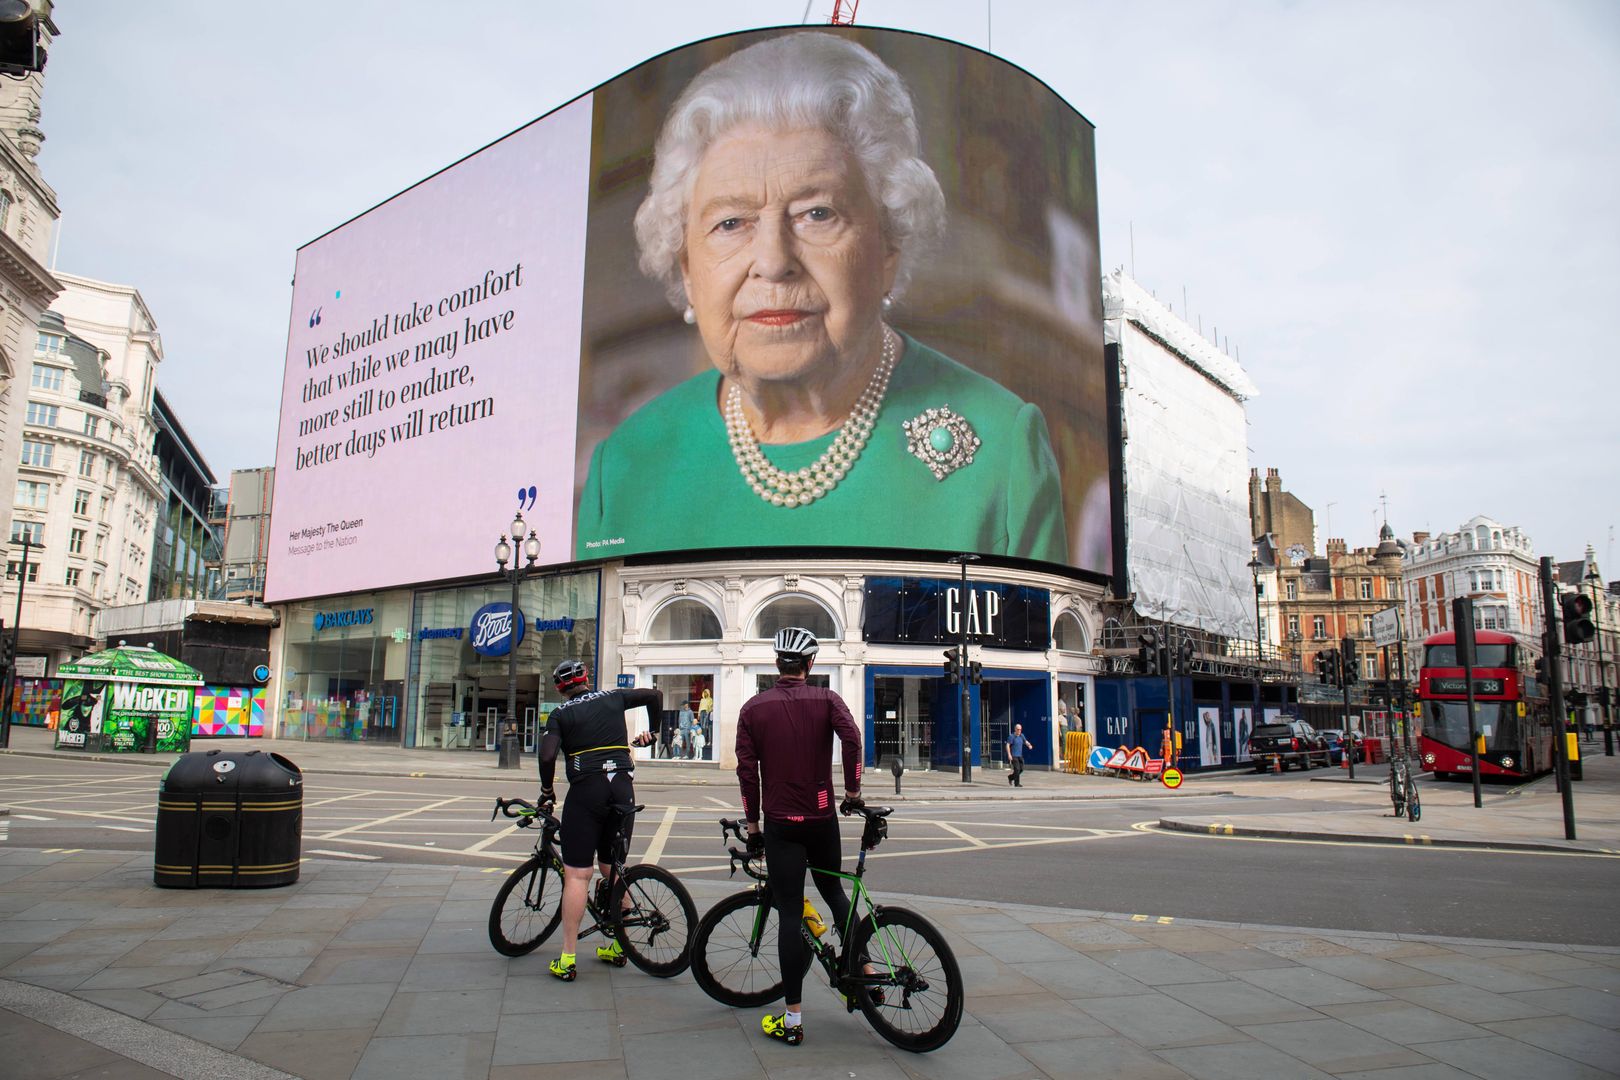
[{"x": 666, "y": 480}]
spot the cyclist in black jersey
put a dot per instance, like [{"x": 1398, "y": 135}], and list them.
[{"x": 590, "y": 731}]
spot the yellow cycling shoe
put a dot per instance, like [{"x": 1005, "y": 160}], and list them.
[
  {"x": 565, "y": 972},
  {"x": 611, "y": 953},
  {"x": 776, "y": 1027}
]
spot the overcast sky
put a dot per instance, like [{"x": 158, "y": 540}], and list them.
[{"x": 1403, "y": 216}]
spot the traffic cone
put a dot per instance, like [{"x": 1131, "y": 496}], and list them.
[{"x": 1276, "y": 765}]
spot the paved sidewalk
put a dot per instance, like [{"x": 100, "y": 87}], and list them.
[
  {"x": 1526, "y": 817},
  {"x": 369, "y": 760},
  {"x": 361, "y": 971}
]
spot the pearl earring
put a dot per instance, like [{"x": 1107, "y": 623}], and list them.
[
  {"x": 888, "y": 301},
  {"x": 689, "y": 316}
]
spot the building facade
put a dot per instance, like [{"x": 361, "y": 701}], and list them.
[
  {"x": 1493, "y": 564},
  {"x": 243, "y": 516},
  {"x": 186, "y": 544},
  {"x": 28, "y": 215},
  {"x": 1319, "y": 600},
  {"x": 89, "y": 484}
]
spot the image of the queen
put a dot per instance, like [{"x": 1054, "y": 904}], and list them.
[{"x": 786, "y": 209}]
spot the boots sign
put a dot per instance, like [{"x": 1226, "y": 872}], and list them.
[{"x": 935, "y": 610}]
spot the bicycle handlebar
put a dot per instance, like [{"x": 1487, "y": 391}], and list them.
[{"x": 526, "y": 812}]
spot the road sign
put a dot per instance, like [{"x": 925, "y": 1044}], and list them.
[
  {"x": 1171, "y": 777},
  {"x": 1387, "y": 627}
]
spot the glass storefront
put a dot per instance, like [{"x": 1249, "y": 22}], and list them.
[
  {"x": 686, "y": 728},
  {"x": 344, "y": 667},
  {"x": 458, "y": 698}
]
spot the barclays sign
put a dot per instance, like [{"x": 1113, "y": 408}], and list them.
[
  {"x": 494, "y": 631},
  {"x": 327, "y": 620}
]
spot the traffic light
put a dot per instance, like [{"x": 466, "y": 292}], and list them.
[
  {"x": 1327, "y": 666},
  {"x": 20, "y": 48},
  {"x": 953, "y": 666},
  {"x": 1543, "y": 671},
  {"x": 1348, "y": 662},
  {"x": 1147, "y": 651},
  {"x": 975, "y": 673},
  {"x": 1578, "y": 628},
  {"x": 1184, "y": 656}
]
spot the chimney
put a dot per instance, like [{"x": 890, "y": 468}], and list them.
[{"x": 1419, "y": 537}]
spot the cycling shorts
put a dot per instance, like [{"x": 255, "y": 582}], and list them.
[{"x": 592, "y": 811}]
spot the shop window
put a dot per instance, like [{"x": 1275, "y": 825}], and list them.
[
  {"x": 1068, "y": 634},
  {"x": 685, "y": 727},
  {"x": 795, "y": 611},
  {"x": 684, "y": 620}
]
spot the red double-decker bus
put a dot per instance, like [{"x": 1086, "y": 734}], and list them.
[{"x": 1510, "y": 710}]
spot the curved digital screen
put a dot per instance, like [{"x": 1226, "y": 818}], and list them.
[{"x": 846, "y": 336}]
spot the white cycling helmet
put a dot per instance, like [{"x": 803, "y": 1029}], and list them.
[{"x": 795, "y": 643}]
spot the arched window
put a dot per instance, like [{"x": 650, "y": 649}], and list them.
[
  {"x": 1113, "y": 635},
  {"x": 1068, "y": 633},
  {"x": 684, "y": 620},
  {"x": 795, "y": 611}
]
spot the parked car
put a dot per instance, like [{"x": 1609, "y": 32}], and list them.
[
  {"x": 1292, "y": 742},
  {"x": 1336, "y": 741}
]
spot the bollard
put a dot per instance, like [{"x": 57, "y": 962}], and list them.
[
  {"x": 510, "y": 755},
  {"x": 897, "y": 767}
]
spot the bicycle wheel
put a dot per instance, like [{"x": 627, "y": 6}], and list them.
[
  {"x": 734, "y": 955},
  {"x": 922, "y": 992},
  {"x": 528, "y": 907},
  {"x": 655, "y": 929},
  {"x": 1414, "y": 808}
]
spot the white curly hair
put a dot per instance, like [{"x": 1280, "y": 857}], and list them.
[{"x": 799, "y": 80}]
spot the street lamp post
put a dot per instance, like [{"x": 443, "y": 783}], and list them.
[
  {"x": 507, "y": 552},
  {"x": 1255, "y": 566},
  {"x": 10, "y": 678},
  {"x": 962, "y": 668},
  {"x": 1593, "y": 580}
]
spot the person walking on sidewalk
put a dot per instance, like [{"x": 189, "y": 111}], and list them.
[
  {"x": 1016, "y": 745},
  {"x": 590, "y": 731},
  {"x": 784, "y": 764}
]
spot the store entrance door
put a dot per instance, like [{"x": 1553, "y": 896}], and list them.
[{"x": 902, "y": 722}]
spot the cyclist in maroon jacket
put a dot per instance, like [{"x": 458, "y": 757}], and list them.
[{"x": 784, "y": 760}]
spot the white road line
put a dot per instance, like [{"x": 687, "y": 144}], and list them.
[
  {"x": 123, "y": 828},
  {"x": 721, "y": 803},
  {"x": 492, "y": 838},
  {"x": 82, "y": 813},
  {"x": 339, "y": 798},
  {"x": 395, "y": 817},
  {"x": 974, "y": 840},
  {"x": 31, "y": 817},
  {"x": 660, "y": 838},
  {"x": 344, "y": 854}
]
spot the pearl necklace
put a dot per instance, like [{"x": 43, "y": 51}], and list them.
[{"x": 804, "y": 486}]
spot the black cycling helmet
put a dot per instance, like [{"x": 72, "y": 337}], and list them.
[
  {"x": 569, "y": 674},
  {"x": 795, "y": 643}
]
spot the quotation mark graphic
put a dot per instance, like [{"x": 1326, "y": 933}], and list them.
[
  {"x": 526, "y": 497},
  {"x": 315, "y": 318}
]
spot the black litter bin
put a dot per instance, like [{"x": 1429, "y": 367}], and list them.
[{"x": 229, "y": 820}]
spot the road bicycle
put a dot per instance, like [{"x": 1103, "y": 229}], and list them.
[
  {"x": 896, "y": 967},
  {"x": 1403, "y": 790},
  {"x": 643, "y": 907}
]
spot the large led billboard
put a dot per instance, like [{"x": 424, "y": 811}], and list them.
[{"x": 790, "y": 289}]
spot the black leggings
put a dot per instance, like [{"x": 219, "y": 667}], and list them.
[{"x": 790, "y": 847}]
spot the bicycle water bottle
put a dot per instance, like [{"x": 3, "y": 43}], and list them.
[{"x": 812, "y": 919}]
